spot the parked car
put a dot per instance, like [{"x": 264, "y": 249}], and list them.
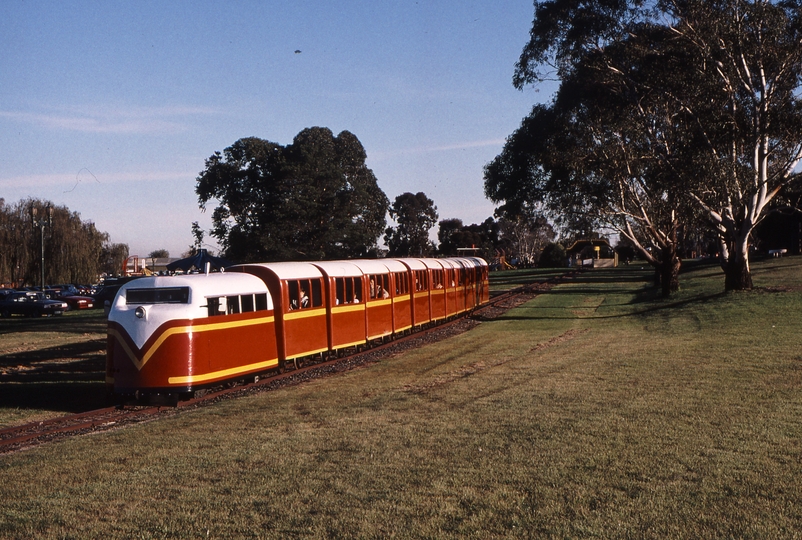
[
  {"x": 85, "y": 290},
  {"x": 105, "y": 294},
  {"x": 68, "y": 289},
  {"x": 77, "y": 301},
  {"x": 30, "y": 304}
]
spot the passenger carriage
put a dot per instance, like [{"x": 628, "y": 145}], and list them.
[
  {"x": 419, "y": 279},
  {"x": 301, "y": 315},
  {"x": 482, "y": 280},
  {"x": 450, "y": 269},
  {"x": 345, "y": 296},
  {"x": 174, "y": 334},
  {"x": 379, "y": 302},
  {"x": 401, "y": 293},
  {"x": 437, "y": 290},
  {"x": 464, "y": 290}
]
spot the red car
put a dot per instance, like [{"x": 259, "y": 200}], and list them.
[{"x": 78, "y": 302}]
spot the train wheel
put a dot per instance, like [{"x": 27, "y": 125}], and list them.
[
  {"x": 299, "y": 363},
  {"x": 281, "y": 366}
]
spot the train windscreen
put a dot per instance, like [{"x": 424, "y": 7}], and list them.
[{"x": 159, "y": 295}]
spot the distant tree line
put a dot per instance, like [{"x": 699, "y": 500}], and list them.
[{"x": 74, "y": 250}]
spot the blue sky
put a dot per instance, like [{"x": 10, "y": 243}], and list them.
[{"x": 111, "y": 108}]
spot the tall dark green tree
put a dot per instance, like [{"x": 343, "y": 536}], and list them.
[
  {"x": 314, "y": 199},
  {"x": 414, "y": 215},
  {"x": 450, "y": 236},
  {"x": 481, "y": 239}
]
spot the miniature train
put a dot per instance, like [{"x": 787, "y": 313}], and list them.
[{"x": 174, "y": 335}]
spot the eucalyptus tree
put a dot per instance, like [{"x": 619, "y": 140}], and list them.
[
  {"x": 596, "y": 163},
  {"x": 313, "y": 199},
  {"x": 752, "y": 54},
  {"x": 527, "y": 236},
  {"x": 667, "y": 111}
]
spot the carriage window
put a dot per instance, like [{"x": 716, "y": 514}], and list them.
[
  {"x": 317, "y": 293},
  {"x": 339, "y": 291},
  {"x": 216, "y": 306},
  {"x": 160, "y": 295},
  {"x": 299, "y": 294},
  {"x": 385, "y": 286},
  {"x": 299, "y": 291},
  {"x": 437, "y": 279},
  {"x": 421, "y": 280},
  {"x": 379, "y": 286},
  {"x": 232, "y": 303},
  {"x": 348, "y": 290},
  {"x": 401, "y": 283}
]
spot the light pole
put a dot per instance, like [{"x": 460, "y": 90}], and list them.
[{"x": 42, "y": 223}]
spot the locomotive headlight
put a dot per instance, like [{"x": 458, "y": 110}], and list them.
[{"x": 140, "y": 312}]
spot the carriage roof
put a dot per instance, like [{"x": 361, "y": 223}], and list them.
[
  {"x": 340, "y": 268},
  {"x": 374, "y": 266},
  {"x": 286, "y": 270},
  {"x": 413, "y": 264}
]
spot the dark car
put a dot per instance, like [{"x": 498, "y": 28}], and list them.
[
  {"x": 30, "y": 304},
  {"x": 105, "y": 294}
]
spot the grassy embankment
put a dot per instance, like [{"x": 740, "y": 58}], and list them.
[{"x": 594, "y": 410}]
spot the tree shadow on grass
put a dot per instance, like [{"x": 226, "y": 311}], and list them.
[
  {"x": 651, "y": 308},
  {"x": 68, "y": 378},
  {"x": 84, "y": 322},
  {"x": 67, "y": 396}
]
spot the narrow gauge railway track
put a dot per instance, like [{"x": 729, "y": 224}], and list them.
[{"x": 36, "y": 433}]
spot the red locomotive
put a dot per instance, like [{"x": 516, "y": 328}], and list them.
[{"x": 173, "y": 335}]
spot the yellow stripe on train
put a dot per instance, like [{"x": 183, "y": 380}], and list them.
[{"x": 193, "y": 329}]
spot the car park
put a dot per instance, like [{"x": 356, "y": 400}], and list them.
[{"x": 30, "y": 304}]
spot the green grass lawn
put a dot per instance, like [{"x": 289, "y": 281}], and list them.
[
  {"x": 595, "y": 410},
  {"x": 51, "y": 366}
]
